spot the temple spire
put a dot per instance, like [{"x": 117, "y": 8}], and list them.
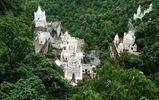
[{"x": 40, "y": 18}]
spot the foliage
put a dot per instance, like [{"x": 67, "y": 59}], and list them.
[
  {"x": 155, "y": 78},
  {"x": 114, "y": 83},
  {"x": 31, "y": 88},
  {"x": 86, "y": 94},
  {"x": 127, "y": 60},
  {"x": 26, "y": 75},
  {"x": 151, "y": 57}
]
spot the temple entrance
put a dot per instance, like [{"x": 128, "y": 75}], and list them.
[{"x": 73, "y": 78}]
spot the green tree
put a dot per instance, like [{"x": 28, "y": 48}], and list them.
[
  {"x": 127, "y": 60},
  {"x": 30, "y": 88},
  {"x": 51, "y": 76},
  {"x": 115, "y": 83},
  {"x": 155, "y": 78},
  {"x": 15, "y": 39},
  {"x": 150, "y": 54},
  {"x": 86, "y": 94},
  {"x": 2, "y": 7}
]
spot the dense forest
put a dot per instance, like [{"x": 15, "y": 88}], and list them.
[{"x": 25, "y": 75}]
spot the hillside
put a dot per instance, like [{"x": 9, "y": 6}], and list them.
[{"x": 27, "y": 75}]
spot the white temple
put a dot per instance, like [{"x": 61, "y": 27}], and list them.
[
  {"x": 45, "y": 32},
  {"x": 71, "y": 59},
  {"x": 71, "y": 55},
  {"x": 140, "y": 14},
  {"x": 40, "y": 18},
  {"x": 127, "y": 43}
]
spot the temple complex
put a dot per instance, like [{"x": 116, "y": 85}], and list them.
[
  {"x": 125, "y": 43},
  {"x": 70, "y": 59}
]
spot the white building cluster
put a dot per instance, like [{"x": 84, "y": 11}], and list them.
[
  {"x": 71, "y": 56},
  {"x": 140, "y": 14},
  {"x": 71, "y": 59},
  {"x": 125, "y": 43},
  {"x": 44, "y": 31}
]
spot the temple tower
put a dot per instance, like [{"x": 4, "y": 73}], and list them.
[{"x": 40, "y": 18}]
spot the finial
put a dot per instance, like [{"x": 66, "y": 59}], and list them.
[
  {"x": 39, "y": 8},
  {"x": 66, "y": 32}
]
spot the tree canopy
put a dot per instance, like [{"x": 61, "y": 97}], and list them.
[{"x": 25, "y": 75}]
